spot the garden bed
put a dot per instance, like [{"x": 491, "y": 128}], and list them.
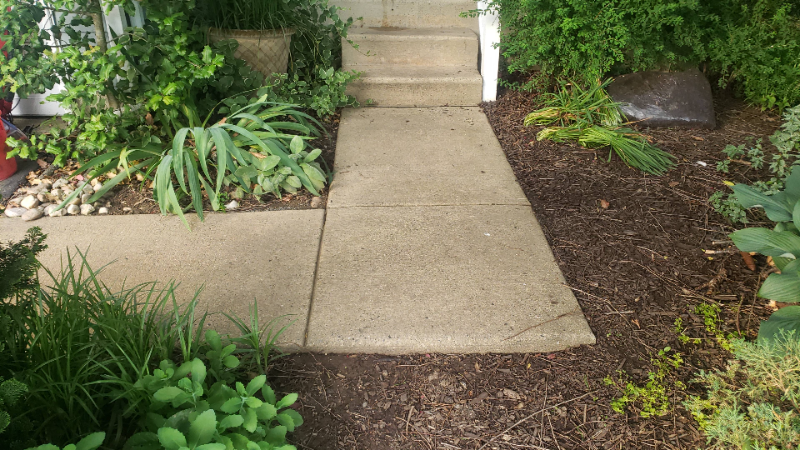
[
  {"x": 135, "y": 197},
  {"x": 632, "y": 248}
]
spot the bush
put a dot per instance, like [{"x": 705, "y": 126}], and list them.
[
  {"x": 755, "y": 403},
  {"x": 85, "y": 353},
  {"x": 752, "y": 42}
]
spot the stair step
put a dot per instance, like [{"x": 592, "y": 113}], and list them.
[
  {"x": 402, "y": 86},
  {"x": 411, "y": 46},
  {"x": 408, "y": 13}
]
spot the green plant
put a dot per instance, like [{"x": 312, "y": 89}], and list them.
[
  {"x": 751, "y": 42},
  {"x": 753, "y": 404},
  {"x": 710, "y": 314},
  {"x": 782, "y": 244},
  {"x": 187, "y": 413},
  {"x": 90, "y": 442},
  {"x": 11, "y": 391},
  {"x": 652, "y": 399},
  {"x": 680, "y": 330},
  {"x": 251, "y": 149},
  {"x": 257, "y": 342},
  {"x": 591, "y": 118},
  {"x": 786, "y": 141}
]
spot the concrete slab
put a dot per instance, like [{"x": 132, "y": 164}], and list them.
[
  {"x": 404, "y": 86},
  {"x": 414, "y": 46},
  {"x": 415, "y": 157},
  {"x": 407, "y": 13},
  {"x": 440, "y": 279},
  {"x": 268, "y": 257}
]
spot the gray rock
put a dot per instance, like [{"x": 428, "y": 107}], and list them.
[
  {"x": 29, "y": 202},
  {"x": 15, "y": 201},
  {"x": 15, "y": 212},
  {"x": 58, "y": 213},
  {"x": 665, "y": 99},
  {"x": 47, "y": 184},
  {"x": 87, "y": 189},
  {"x": 49, "y": 209},
  {"x": 97, "y": 186},
  {"x": 42, "y": 197},
  {"x": 56, "y": 193},
  {"x": 32, "y": 214},
  {"x": 316, "y": 202},
  {"x": 75, "y": 201},
  {"x": 85, "y": 198},
  {"x": 86, "y": 209},
  {"x": 60, "y": 182},
  {"x": 103, "y": 210},
  {"x": 73, "y": 210},
  {"x": 127, "y": 209},
  {"x": 232, "y": 205}
]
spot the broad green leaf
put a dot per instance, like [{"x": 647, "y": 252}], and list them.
[
  {"x": 213, "y": 339},
  {"x": 266, "y": 411},
  {"x": 255, "y": 384},
  {"x": 313, "y": 155},
  {"x": 783, "y": 287},
  {"x": 198, "y": 371},
  {"x": 171, "y": 438},
  {"x": 211, "y": 447},
  {"x": 142, "y": 441},
  {"x": 288, "y": 400},
  {"x": 792, "y": 186},
  {"x": 253, "y": 402},
  {"x": 296, "y": 145},
  {"x": 796, "y": 213},
  {"x": 91, "y": 442},
  {"x": 767, "y": 242},
  {"x": 296, "y": 417},
  {"x": 276, "y": 435},
  {"x": 202, "y": 429},
  {"x": 168, "y": 394},
  {"x": 250, "y": 420},
  {"x": 268, "y": 394},
  {"x": 232, "y": 421},
  {"x": 776, "y": 210},
  {"x": 786, "y": 319},
  {"x": 230, "y": 361},
  {"x": 231, "y": 406},
  {"x": 287, "y": 421}
]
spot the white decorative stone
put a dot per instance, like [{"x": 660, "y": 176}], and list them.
[
  {"x": 31, "y": 214},
  {"x": 85, "y": 198},
  {"x": 75, "y": 201},
  {"x": 49, "y": 209},
  {"x": 56, "y": 193},
  {"x": 86, "y": 209},
  {"x": 60, "y": 182},
  {"x": 232, "y": 205},
  {"x": 316, "y": 202},
  {"x": 15, "y": 212},
  {"x": 87, "y": 189},
  {"x": 58, "y": 213},
  {"x": 97, "y": 186},
  {"x": 102, "y": 210},
  {"x": 42, "y": 197},
  {"x": 29, "y": 202},
  {"x": 126, "y": 209},
  {"x": 73, "y": 210}
]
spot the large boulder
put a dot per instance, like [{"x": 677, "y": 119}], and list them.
[{"x": 665, "y": 99}]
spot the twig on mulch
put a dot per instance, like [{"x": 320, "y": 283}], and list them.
[{"x": 533, "y": 414}]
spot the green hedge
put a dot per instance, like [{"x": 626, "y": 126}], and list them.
[{"x": 753, "y": 43}]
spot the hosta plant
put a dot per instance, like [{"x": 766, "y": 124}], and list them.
[
  {"x": 90, "y": 442},
  {"x": 782, "y": 244},
  {"x": 186, "y": 413}
]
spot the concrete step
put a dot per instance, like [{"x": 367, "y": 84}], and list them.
[
  {"x": 402, "y": 86},
  {"x": 408, "y": 13},
  {"x": 411, "y": 46}
]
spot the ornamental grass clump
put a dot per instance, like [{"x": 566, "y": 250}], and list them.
[{"x": 591, "y": 118}]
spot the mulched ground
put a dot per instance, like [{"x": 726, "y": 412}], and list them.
[{"x": 635, "y": 266}]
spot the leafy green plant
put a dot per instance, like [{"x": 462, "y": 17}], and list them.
[
  {"x": 786, "y": 141},
  {"x": 186, "y": 413},
  {"x": 251, "y": 149},
  {"x": 652, "y": 399},
  {"x": 753, "y": 43},
  {"x": 90, "y": 442},
  {"x": 753, "y": 404},
  {"x": 782, "y": 244},
  {"x": 591, "y": 118},
  {"x": 11, "y": 391}
]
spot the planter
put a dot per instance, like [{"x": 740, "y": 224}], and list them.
[
  {"x": 8, "y": 166},
  {"x": 266, "y": 51}
]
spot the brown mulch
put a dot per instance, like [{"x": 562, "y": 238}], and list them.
[{"x": 632, "y": 248}]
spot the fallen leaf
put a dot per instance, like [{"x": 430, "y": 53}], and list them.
[
  {"x": 673, "y": 183},
  {"x": 698, "y": 138},
  {"x": 748, "y": 261},
  {"x": 43, "y": 164},
  {"x": 604, "y": 204},
  {"x": 148, "y": 119}
]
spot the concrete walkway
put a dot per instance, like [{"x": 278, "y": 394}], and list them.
[{"x": 428, "y": 244}]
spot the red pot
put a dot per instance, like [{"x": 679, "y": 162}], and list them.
[{"x": 7, "y": 166}]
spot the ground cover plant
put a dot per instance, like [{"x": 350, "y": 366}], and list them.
[
  {"x": 749, "y": 44},
  {"x": 591, "y": 118},
  {"x": 132, "y": 365}
]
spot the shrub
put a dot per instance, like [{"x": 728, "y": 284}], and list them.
[
  {"x": 755, "y": 403},
  {"x": 754, "y": 42}
]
